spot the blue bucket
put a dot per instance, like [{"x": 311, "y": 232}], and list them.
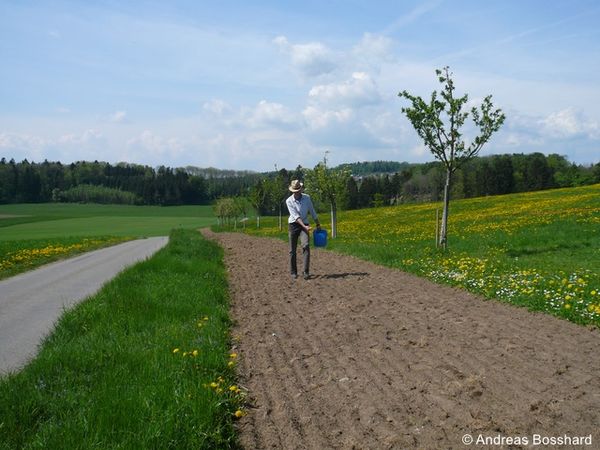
[{"x": 320, "y": 237}]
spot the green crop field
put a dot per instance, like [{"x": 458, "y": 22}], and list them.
[
  {"x": 35, "y": 234},
  {"x": 540, "y": 249},
  {"x": 48, "y": 220}
]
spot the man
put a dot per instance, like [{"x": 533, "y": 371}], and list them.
[{"x": 299, "y": 205}]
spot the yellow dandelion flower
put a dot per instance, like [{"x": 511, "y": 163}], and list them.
[
  {"x": 239, "y": 413},
  {"x": 214, "y": 385},
  {"x": 230, "y": 364},
  {"x": 568, "y": 306},
  {"x": 233, "y": 355},
  {"x": 176, "y": 350},
  {"x": 195, "y": 353}
]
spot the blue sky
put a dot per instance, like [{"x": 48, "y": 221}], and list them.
[{"x": 251, "y": 85}]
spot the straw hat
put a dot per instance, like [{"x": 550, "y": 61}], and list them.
[{"x": 296, "y": 186}]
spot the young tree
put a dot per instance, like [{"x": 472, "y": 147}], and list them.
[
  {"x": 329, "y": 185},
  {"x": 439, "y": 123},
  {"x": 258, "y": 197}
]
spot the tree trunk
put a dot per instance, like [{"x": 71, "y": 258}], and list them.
[
  {"x": 280, "y": 221},
  {"x": 333, "y": 220},
  {"x": 444, "y": 229}
]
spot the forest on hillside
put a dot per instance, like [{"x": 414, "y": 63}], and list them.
[{"x": 372, "y": 184}]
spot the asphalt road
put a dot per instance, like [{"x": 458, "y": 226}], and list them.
[{"x": 31, "y": 303}]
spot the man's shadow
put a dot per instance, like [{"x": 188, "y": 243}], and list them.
[{"x": 343, "y": 275}]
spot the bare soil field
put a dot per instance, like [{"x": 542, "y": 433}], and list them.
[{"x": 367, "y": 357}]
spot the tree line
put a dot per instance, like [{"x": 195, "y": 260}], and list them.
[
  {"x": 101, "y": 182},
  {"x": 30, "y": 182},
  {"x": 480, "y": 176}
]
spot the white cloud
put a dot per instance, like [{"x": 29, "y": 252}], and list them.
[
  {"x": 118, "y": 117},
  {"x": 419, "y": 151},
  {"x": 371, "y": 52},
  {"x": 348, "y": 113},
  {"x": 156, "y": 145},
  {"x": 558, "y": 130},
  {"x": 358, "y": 91},
  {"x": 317, "y": 118},
  {"x": 569, "y": 123},
  {"x": 89, "y": 144},
  {"x": 15, "y": 141},
  {"x": 311, "y": 60},
  {"x": 217, "y": 107},
  {"x": 267, "y": 114},
  {"x": 88, "y": 137}
]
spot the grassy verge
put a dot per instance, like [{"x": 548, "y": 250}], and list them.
[
  {"x": 540, "y": 250},
  {"x": 145, "y": 363},
  {"x": 20, "y": 256}
]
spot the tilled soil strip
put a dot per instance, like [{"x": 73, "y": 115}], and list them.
[{"x": 363, "y": 356}]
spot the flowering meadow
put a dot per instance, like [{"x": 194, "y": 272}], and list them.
[
  {"x": 19, "y": 256},
  {"x": 540, "y": 250}
]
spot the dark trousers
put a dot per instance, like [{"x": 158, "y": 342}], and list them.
[{"x": 296, "y": 232}]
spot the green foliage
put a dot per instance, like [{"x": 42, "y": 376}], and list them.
[
  {"x": 268, "y": 195},
  {"x": 259, "y": 196},
  {"x": 109, "y": 376},
  {"x": 439, "y": 124},
  {"x": 87, "y": 193},
  {"x": 329, "y": 186},
  {"x": 374, "y": 167},
  {"x": 225, "y": 210},
  {"x": 33, "y": 182},
  {"x": 27, "y": 182}
]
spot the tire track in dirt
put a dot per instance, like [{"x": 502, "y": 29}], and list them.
[{"x": 362, "y": 356}]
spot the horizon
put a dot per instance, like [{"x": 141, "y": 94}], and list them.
[
  {"x": 289, "y": 169},
  {"x": 253, "y": 87}
]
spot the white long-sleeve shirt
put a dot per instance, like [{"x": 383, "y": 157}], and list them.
[{"x": 300, "y": 209}]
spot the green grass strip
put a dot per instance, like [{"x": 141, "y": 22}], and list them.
[
  {"x": 27, "y": 254},
  {"x": 144, "y": 363}
]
